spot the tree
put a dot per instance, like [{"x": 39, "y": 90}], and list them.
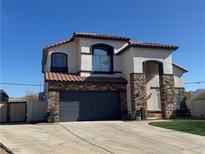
[
  {"x": 188, "y": 96},
  {"x": 31, "y": 97}
]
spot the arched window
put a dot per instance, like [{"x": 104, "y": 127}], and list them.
[
  {"x": 102, "y": 58},
  {"x": 59, "y": 62}
]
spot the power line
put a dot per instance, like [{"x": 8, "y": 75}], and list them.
[
  {"x": 34, "y": 84},
  {"x": 109, "y": 28},
  {"x": 21, "y": 57},
  {"x": 197, "y": 82},
  {"x": 138, "y": 35},
  {"x": 195, "y": 50},
  {"x": 20, "y": 84},
  {"x": 175, "y": 35}
]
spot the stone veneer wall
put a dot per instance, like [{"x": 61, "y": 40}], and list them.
[
  {"x": 53, "y": 105},
  {"x": 54, "y": 89},
  {"x": 167, "y": 95},
  {"x": 138, "y": 91}
]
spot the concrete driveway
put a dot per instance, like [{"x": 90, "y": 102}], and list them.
[{"x": 99, "y": 137}]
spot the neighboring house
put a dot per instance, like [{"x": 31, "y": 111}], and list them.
[
  {"x": 3, "y": 105},
  {"x": 11, "y": 110},
  {"x": 3, "y": 96},
  {"x": 105, "y": 77}
]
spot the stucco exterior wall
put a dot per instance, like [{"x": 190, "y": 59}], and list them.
[
  {"x": 178, "y": 77},
  {"x": 127, "y": 67},
  {"x": 132, "y": 61},
  {"x": 86, "y": 57},
  {"x": 86, "y": 43},
  {"x": 72, "y": 59},
  {"x": 141, "y": 55}
]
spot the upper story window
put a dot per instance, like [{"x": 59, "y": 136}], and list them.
[
  {"x": 102, "y": 59},
  {"x": 59, "y": 62}
]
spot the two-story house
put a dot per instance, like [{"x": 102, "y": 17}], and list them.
[{"x": 105, "y": 77}]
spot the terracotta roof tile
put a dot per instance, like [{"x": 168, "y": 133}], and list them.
[
  {"x": 101, "y": 36},
  {"x": 153, "y": 45},
  {"x": 147, "y": 45},
  {"x": 57, "y": 43},
  {"x": 88, "y": 35},
  {"x": 53, "y": 76}
]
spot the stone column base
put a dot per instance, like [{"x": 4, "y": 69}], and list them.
[
  {"x": 53, "y": 106},
  {"x": 167, "y": 96},
  {"x": 138, "y": 94}
]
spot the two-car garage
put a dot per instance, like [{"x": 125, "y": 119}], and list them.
[
  {"x": 89, "y": 105},
  {"x": 72, "y": 97}
]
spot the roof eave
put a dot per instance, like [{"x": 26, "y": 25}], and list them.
[
  {"x": 98, "y": 36},
  {"x": 182, "y": 68},
  {"x": 135, "y": 46}
]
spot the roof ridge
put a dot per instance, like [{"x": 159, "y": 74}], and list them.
[
  {"x": 100, "y": 35},
  {"x": 76, "y": 34}
]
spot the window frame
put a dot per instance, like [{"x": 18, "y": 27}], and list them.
[
  {"x": 59, "y": 69},
  {"x": 110, "y": 52}
]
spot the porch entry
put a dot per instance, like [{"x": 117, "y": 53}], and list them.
[{"x": 154, "y": 103}]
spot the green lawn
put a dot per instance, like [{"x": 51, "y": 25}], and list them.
[{"x": 189, "y": 126}]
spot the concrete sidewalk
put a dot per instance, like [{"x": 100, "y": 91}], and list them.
[{"x": 99, "y": 137}]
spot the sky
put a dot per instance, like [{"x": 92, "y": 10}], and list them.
[{"x": 28, "y": 25}]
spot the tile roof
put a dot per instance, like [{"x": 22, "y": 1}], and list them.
[
  {"x": 152, "y": 45},
  {"x": 85, "y": 35},
  {"x": 53, "y": 76},
  {"x": 148, "y": 45},
  {"x": 88, "y": 35},
  {"x": 101, "y": 36},
  {"x": 58, "y": 43}
]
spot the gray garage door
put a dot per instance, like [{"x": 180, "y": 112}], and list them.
[{"x": 89, "y": 105}]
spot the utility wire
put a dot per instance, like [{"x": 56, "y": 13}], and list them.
[
  {"x": 197, "y": 82},
  {"x": 24, "y": 57},
  {"x": 109, "y": 28},
  {"x": 20, "y": 84},
  {"x": 148, "y": 36},
  {"x": 33, "y": 84}
]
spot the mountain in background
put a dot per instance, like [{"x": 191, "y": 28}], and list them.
[
  {"x": 198, "y": 94},
  {"x": 198, "y": 91}
]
